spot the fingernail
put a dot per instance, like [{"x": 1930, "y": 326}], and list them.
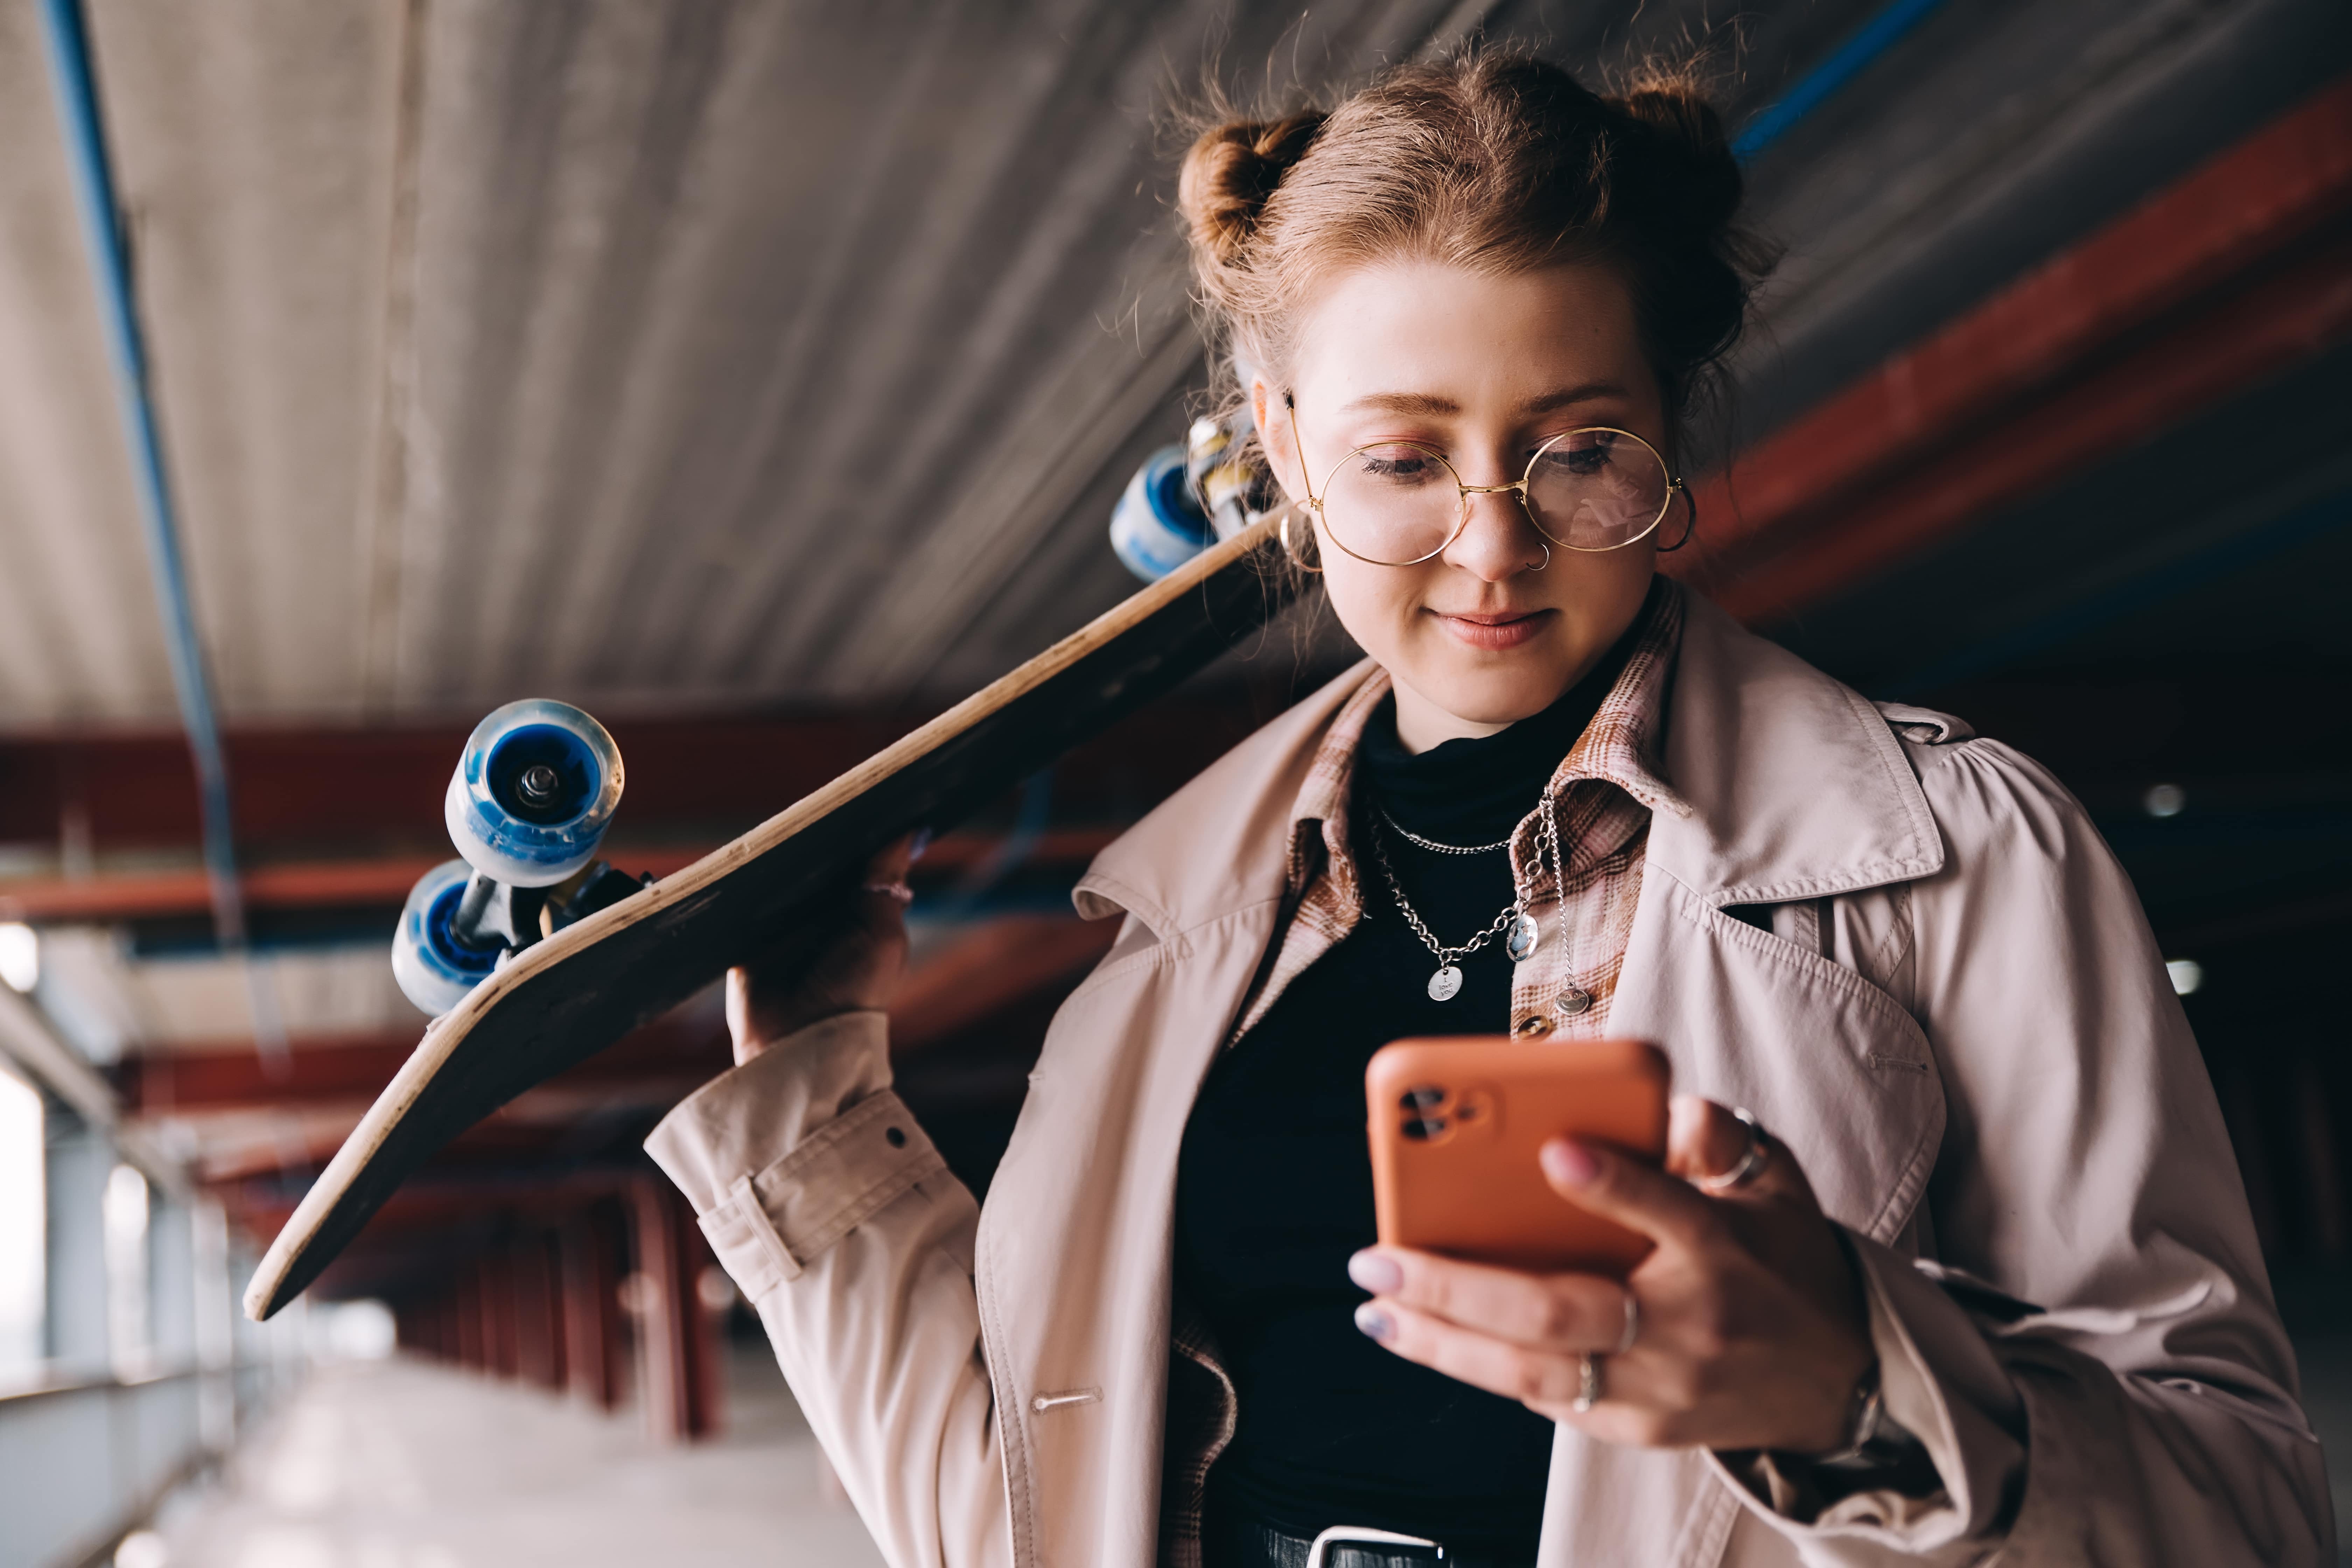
[
  {"x": 1375, "y": 1273},
  {"x": 1375, "y": 1323},
  {"x": 1568, "y": 1162}
]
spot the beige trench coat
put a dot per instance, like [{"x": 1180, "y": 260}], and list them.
[{"x": 1957, "y": 1019}]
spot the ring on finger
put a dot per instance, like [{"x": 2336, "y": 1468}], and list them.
[
  {"x": 1588, "y": 1383},
  {"x": 1751, "y": 1159},
  {"x": 898, "y": 891},
  {"x": 1633, "y": 1324}
]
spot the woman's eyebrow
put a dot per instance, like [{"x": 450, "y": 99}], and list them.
[
  {"x": 1431, "y": 404},
  {"x": 1587, "y": 392},
  {"x": 1402, "y": 403}
]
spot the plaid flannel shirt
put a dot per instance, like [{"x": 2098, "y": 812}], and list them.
[{"x": 1603, "y": 794}]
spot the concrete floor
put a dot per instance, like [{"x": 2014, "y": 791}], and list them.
[{"x": 406, "y": 1464}]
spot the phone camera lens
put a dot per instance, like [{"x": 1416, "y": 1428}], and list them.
[
  {"x": 1420, "y": 1129},
  {"x": 1422, "y": 1097}
]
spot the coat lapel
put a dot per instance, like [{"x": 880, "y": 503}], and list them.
[
  {"x": 1798, "y": 791},
  {"x": 1797, "y": 787}
]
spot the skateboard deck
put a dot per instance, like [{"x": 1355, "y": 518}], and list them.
[{"x": 563, "y": 999}]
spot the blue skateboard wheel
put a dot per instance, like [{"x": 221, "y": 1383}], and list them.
[
  {"x": 435, "y": 969},
  {"x": 533, "y": 793},
  {"x": 1158, "y": 525}
]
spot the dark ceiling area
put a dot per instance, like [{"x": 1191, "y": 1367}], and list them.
[{"x": 763, "y": 378}]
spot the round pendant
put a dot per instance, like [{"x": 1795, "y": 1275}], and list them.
[
  {"x": 1525, "y": 935},
  {"x": 1574, "y": 1002},
  {"x": 1444, "y": 983}
]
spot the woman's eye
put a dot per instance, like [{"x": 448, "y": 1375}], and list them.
[
  {"x": 1396, "y": 465},
  {"x": 1583, "y": 459}
]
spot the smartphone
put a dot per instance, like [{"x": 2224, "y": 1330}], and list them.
[{"x": 1456, "y": 1124}]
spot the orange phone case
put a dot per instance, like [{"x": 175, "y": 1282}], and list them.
[{"x": 1456, "y": 1124}]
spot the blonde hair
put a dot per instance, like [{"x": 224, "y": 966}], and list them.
[{"x": 1496, "y": 161}]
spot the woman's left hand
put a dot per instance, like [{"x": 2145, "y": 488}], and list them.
[{"x": 1752, "y": 1331}]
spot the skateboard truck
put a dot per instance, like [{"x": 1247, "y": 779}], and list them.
[{"x": 528, "y": 806}]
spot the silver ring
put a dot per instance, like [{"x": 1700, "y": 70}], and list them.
[
  {"x": 1633, "y": 1324},
  {"x": 1751, "y": 1159},
  {"x": 897, "y": 890},
  {"x": 1588, "y": 1383}
]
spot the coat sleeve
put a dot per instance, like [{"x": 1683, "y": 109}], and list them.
[
  {"x": 2094, "y": 1361},
  {"x": 839, "y": 1222}
]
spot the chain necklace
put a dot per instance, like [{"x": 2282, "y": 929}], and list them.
[
  {"x": 1409, "y": 837},
  {"x": 1446, "y": 983}
]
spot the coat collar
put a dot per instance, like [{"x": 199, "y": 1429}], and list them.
[
  {"x": 1793, "y": 787},
  {"x": 1797, "y": 786}
]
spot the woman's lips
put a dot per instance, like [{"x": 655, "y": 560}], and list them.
[{"x": 1496, "y": 629}]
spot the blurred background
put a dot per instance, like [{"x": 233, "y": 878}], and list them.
[{"x": 762, "y": 377}]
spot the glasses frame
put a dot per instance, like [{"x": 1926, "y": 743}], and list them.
[{"x": 1314, "y": 504}]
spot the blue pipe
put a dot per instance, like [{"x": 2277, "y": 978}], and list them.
[
  {"x": 66, "y": 32},
  {"x": 1849, "y": 59}
]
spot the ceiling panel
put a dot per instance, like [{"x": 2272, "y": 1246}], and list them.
[
  {"x": 77, "y": 624},
  {"x": 716, "y": 355},
  {"x": 252, "y": 141}
]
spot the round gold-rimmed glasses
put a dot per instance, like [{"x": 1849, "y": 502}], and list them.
[{"x": 1397, "y": 503}]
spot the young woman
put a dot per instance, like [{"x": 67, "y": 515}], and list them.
[{"x": 1967, "y": 1272}]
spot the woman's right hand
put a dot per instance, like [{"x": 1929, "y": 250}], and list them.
[{"x": 784, "y": 989}]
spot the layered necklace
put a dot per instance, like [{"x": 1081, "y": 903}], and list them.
[{"x": 1523, "y": 933}]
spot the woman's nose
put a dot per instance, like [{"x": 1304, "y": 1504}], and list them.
[{"x": 1498, "y": 542}]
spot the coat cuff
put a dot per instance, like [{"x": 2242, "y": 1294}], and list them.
[
  {"x": 1940, "y": 1380},
  {"x": 784, "y": 1155}
]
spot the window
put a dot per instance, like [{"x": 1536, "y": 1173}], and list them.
[{"x": 23, "y": 1230}]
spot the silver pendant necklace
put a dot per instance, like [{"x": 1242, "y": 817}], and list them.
[{"x": 1446, "y": 983}]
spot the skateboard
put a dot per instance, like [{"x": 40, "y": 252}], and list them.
[{"x": 537, "y": 955}]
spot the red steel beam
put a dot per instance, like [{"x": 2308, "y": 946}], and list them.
[
  {"x": 442, "y": 1201},
  {"x": 678, "y": 1349},
  {"x": 969, "y": 978},
  {"x": 327, "y": 785},
  {"x": 2240, "y": 209},
  {"x": 308, "y": 792},
  {"x": 358, "y": 1068},
  {"x": 359, "y": 884},
  {"x": 2279, "y": 322}
]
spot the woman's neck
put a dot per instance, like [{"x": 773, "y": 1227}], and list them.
[{"x": 1422, "y": 724}]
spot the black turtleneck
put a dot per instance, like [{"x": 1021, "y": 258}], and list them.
[{"x": 1275, "y": 1186}]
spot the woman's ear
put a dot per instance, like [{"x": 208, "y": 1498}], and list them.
[{"x": 1277, "y": 433}]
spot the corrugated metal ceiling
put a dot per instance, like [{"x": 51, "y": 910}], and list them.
[{"x": 728, "y": 356}]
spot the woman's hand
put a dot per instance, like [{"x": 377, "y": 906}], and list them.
[
  {"x": 858, "y": 968},
  {"x": 1752, "y": 1331}
]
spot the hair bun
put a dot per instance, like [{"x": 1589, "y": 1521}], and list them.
[
  {"x": 1231, "y": 171},
  {"x": 1684, "y": 137}
]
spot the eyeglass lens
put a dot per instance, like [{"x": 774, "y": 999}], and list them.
[{"x": 1589, "y": 490}]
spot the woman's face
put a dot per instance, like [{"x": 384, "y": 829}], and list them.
[{"x": 1484, "y": 368}]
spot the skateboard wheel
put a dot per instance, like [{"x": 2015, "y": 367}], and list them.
[
  {"x": 435, "y": 969},
  {"x": 1157, "y": 525},
  {"x": 533, "y": 793}
]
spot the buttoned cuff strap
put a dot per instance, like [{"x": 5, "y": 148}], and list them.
[{"x": 773, "y": 1224}]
